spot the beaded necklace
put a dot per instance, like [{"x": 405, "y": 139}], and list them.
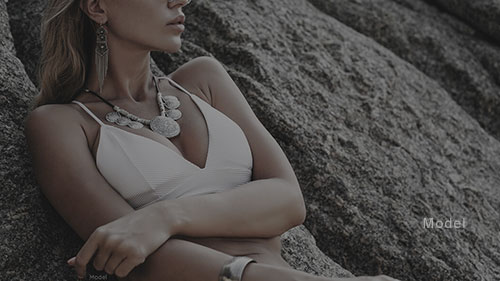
[{"x": 165, "y": 124}]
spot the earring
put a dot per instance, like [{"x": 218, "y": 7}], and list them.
[{"x": 101, "y": 55}]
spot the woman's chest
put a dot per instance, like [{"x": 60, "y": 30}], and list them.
[{"x": 192, "y": 143}]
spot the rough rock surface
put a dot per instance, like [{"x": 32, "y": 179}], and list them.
[
  {"x": 25, "y": 17},
  {"x": 459, "y": 57},
  {"x": 299, "y": 248},
  {"x": 482, "y": 14},
  {"x": 5, "y": 34},
  {"x": 386, "y": 110}
]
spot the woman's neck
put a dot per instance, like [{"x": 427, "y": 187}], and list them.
[{"x": 128, "y": 78}]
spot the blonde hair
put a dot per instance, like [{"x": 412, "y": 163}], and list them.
[{"x": 67, "y": 38}]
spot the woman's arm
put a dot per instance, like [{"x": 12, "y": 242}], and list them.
[
  {"x": 260, "y": 208},
  {"x": 267, "y": 206},
  {"x": 68, "y": 177}
]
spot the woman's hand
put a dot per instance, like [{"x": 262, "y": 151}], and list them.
[{"x": 124, "y": 243}]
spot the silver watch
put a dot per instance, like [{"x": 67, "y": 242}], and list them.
[{"x": 233, "y": 269}]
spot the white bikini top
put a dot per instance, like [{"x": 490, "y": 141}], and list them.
[{"x": 144, "y": 171}]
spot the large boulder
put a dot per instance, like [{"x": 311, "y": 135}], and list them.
[
  {"x": 366, "y": 102},
  {"x": 484, "y": 15},
  {"x": 25, "y": 17},
  {"x": 6, "y": 43},
  {"x": 459, "y": 57}
]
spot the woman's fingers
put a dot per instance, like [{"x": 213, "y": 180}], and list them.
[
  {"x": 133, "y": 236},
  {"x": 101, "y": 258},
  {"x": 85, "y": 254},
  {"x": 127, "y": 265},
  {"x": 111, "y": 255},
  {"x": 113, "y": 263}
]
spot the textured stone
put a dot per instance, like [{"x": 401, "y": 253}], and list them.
[
  {"x": 460, "y": 58},
  {"x": 25, "y": 17},
  {"x": 7, "y": 42},
  {"x": 484, "y": 15},
  {"x": 299, "y": 249}
]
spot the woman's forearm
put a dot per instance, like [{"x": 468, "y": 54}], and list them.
[
  {"x": 178, "y": 259},
  {"x": 261, "y": 208}
]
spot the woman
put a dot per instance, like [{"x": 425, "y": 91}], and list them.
[{"x": 111, "y": 143}]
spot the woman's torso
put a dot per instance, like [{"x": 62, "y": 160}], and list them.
[
  {"x": 144, "y": 170},
  {"x": 195, "y": 147}
]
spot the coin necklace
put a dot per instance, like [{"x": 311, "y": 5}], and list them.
[{"x": 165, "y": 124}]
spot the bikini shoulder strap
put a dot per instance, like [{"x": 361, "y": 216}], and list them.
[
  {"x": 88, "y": 111},
  {"x": 176, "y": 85}
]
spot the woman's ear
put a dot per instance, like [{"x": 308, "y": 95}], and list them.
[{"x": 95, "y": 10}]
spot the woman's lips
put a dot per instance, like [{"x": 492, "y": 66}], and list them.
[{"x": 177, "y": 26}]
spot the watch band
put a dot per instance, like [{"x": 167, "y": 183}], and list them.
[{"x": 233, "y": 269}]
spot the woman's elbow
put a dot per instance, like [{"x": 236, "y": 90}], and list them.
[
  {"x": 302, "y": 213},
  {"x": 299, "y": 216}
]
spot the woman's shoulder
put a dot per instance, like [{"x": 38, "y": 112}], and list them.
[
  {"x": 53, "y": 128},
  {"x": 194, "y": 76},
  {"x": 202, "y": 63},
  {"x": 48, "y": 117},
  {"x": 55, "y": 113}
]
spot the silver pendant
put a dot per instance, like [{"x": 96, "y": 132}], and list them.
[
  {"x": 135, "y": 125},
  {"x": 123, "y": 121},
  {"x": 113, "y": 116},
  {"x": 165, "y": 126},
  {"x": 171, "y": 102},
  {"x": 173, "y": 113}
]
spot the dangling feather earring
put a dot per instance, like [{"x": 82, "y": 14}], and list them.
[{"x": 101, "y": 55}]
